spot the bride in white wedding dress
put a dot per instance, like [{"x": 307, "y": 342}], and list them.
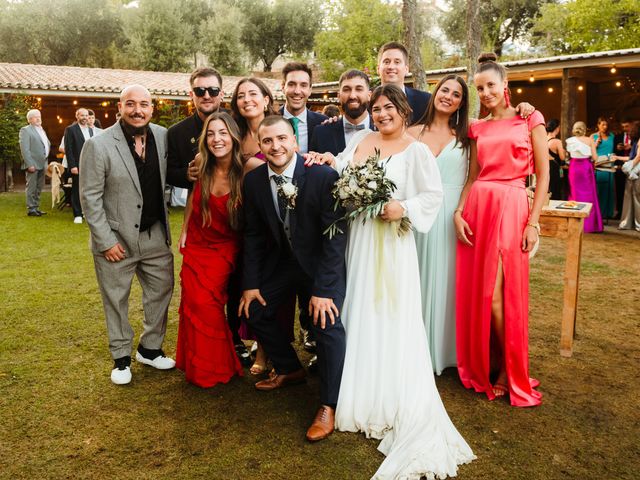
[{"x": 388, "y": 390}]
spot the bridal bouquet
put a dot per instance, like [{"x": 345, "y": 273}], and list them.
[{"x": 364, "y": 189}]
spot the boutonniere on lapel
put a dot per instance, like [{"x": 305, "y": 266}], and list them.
[
  {"x": 289, "y": 191},
  {"x": 193, "y": 140}
]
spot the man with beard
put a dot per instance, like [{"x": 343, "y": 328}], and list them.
[
  {"x": 206, "y": 94},
  {"x": 74, "y": 137},
  {"x": 353, "y": 95},
  {"x": 122, "y": 185}
]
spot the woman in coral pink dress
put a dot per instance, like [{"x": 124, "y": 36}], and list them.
[
  {"x": 210, "y": 243},
  {"x": 496, "y": 231}
]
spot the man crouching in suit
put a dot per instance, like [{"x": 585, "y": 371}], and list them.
[
  {"x": 121, "y": 190},
  {"x": 287, "y": 208}
]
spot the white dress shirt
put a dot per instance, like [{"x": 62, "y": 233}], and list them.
[
  {"x": 303, "y": 129},
  {"x": 45, "y": 140},
  {"x": 349, "y": 135},
  {"x": 85, "y": 133}
]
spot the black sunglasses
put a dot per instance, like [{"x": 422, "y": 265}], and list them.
[{"x": 200, "y": 91}]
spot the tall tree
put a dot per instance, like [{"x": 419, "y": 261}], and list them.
[
  {"x": 60, "y": 32},
  {"x": 501, "y": 20},
  {"x": 413, "y": 41},
  {"x": 580, "y": 26},
  {"x": 474, "y": 40},
  {"x": 354, "y": 31},
  {"x": 282, "y": 26},
  {"x": 159, "y": 37},
  {"x": 222, "y": 40}
]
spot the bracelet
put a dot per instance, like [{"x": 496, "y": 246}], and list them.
[
  {"x": 534, "y": 225},
  {"x": 457, "y": 210}
]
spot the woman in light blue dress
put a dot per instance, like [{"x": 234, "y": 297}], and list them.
[
  {"x": 443, "y": 129},
  {"x": 603, "y": 139}
]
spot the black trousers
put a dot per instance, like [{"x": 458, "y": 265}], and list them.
[
  {"x": 289, "y": 279},
  {"x": 75, "y": 196}
]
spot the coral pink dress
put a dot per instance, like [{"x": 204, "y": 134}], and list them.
[
  {"x": 205, "y": 350},
  {"x": 497, "y": 210}
]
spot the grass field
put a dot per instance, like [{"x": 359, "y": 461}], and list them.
[{"x": 61, "y": 418}]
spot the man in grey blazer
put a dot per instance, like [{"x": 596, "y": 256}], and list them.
[
  {"x": 121, "y": 191},
  {"x": 34, "y": 146}
]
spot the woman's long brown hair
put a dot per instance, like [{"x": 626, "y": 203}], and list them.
[
  {"x": 208, "y": 166},
  {"x": 459, "y": 121}
]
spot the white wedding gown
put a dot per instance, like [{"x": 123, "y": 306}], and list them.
[{"x": 388, "y": 389}]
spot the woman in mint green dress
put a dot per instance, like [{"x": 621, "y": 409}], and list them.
[
  {"x": 443, "y": 129},
  {"x": 603, "y": 139}
]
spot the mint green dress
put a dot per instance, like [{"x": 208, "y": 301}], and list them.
[{"x": 437, "y": 262}]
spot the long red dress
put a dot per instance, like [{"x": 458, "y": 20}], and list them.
[
  {"x": 205, "y": 350},
  {"x": 497, "y": 210}
]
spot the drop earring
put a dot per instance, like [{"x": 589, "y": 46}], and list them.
[{"x": 506, "y": 97}]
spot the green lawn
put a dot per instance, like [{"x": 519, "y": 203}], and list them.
[{"x": 60, "y": 416}]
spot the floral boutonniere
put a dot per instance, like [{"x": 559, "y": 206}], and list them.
[
  {"x": 289, "y": 191},
  {"x": 193, "y": 140}
]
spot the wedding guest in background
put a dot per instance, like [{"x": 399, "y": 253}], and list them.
[
  {"x": 557, "y": 156},
  {"x": 74, "y": 137},
  {"x": 443, "y": 129},
  {"x": 251, "y": 102},
  {"x": 393, "y": 66},
  {"x": 622, "y": 142},
  {"x": 210, "y": 244},
  {"x": 630, "y": 217},
  {"x": 34, "y": 148},
  {"x": 353, "y": 95},
  {"x": 296, "y": 85},
  {"x": 582, "y": 183},
  {"x": 93, "y": 122},
  {"x": 331, "y": 111},
  {"x": 496, "y": 232},
  {"x": 604, "y": 142}
]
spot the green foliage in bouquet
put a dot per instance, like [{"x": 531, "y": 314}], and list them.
[{"x": 364, "y": 189}]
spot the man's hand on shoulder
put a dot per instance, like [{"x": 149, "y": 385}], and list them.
[
  {"x": 321, "y": 308},
  {"x": 249, "y": 296},
  {"x": 115, "y": 253}
]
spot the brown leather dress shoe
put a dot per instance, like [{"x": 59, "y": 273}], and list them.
[
  {"x": 276, "y": 381},
  {"x": 322, "y": 425}
]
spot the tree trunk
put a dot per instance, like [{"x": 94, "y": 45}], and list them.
[
  {"x": 412, "y": 40},
  {"x": 474, "y": 45}
]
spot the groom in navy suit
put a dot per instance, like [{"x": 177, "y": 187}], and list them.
[
  {"x": 393, "y": 66},
  {"x": 353, "y": 95},
  {"x": 287, "y": 208}
]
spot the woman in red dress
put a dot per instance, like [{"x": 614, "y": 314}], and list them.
[
  {"x": 496, "y": 231},
  {"x": 210, "y": 243}
]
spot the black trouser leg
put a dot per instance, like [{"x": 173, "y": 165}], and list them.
[
  {"x": 235, "y": 292},
  {"x": 75, "y": 196}
]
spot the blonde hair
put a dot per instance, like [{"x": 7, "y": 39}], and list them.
[{"x": 579, "y": 129}]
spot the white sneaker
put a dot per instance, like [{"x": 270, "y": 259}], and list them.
[
  {"x": 160, "y": 362},
  {"x": 121, "y": 377},
  {"x": 77, "y": 220}
]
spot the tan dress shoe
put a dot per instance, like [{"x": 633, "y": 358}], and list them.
[
  {"x": 322, "y": 425},
  {"x": 277, "y": 381}
]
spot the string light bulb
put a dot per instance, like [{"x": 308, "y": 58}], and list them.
[
  {"x": 550, "y": 89},
  {"x": 613, "y": 70},
  {"x": 618, "y": 84},
  {"x": 531, "y": 79},
  {"x": 519, "y": 90},
  {"x": 580, "y": 88}
]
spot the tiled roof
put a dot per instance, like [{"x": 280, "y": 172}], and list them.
[{"x": 54, "y": 79}]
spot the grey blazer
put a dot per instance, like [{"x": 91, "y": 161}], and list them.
[
  {"x": 34, "y": 153},
  {"x": 110, "y": 191}
]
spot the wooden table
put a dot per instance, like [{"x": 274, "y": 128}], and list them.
[{"x": 567, "y": 224}]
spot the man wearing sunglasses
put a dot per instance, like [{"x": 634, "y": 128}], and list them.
[{"x": 206, "y": 94}]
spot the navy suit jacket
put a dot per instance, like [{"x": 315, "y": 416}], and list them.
[
  {"x": 313, "y": 120},
  {"x": 322, "y": 259},
  {"x": 329, "y": 138},
  {"x": 418, "y": 100}
]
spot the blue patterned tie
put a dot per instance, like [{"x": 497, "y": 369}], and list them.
[{"x": 282, "y": 200}]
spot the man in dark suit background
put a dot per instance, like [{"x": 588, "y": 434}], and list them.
[
  {"x": 296, "y": 85},
  {"x": 206, "y": 94},
  {"x": 393, "y": 66},
  {"x": 353, "y": 95},
  {"x": 622, "y": 147},
  {"x": 286, "y": 253},
  {"x": 74, "y": 137}
]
